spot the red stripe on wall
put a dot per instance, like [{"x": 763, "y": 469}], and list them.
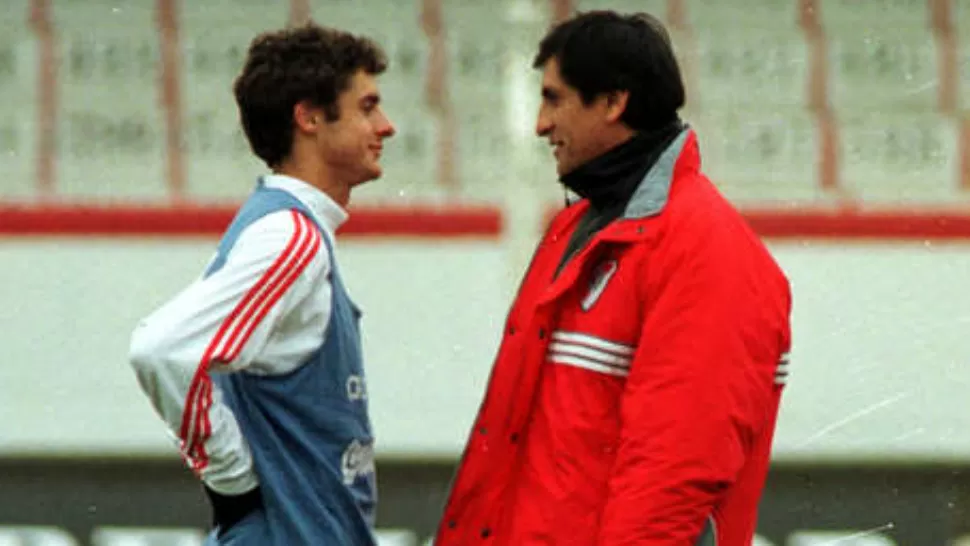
[
  {"x": 416, "y": 221},
  {"x": 299, "y": 12},
  {"x": 819, "y": 103},
  {"x": 438, "y": 94},
  {"x": 560, "y": 10},
  {"x": 948, "y": 58},
  {"x": 41, "y": 20},
  {"x": 878, "y": 225},
  {"x": 964, "y": 159},
  {"x": 900, "y": 226},
  {"x": 683, "y": 34},
  {"x": 170, "y": 94},
  {"x": 460, "y": 221}
]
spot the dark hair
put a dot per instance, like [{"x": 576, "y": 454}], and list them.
[
  {"x": 602, "y": 51},
  {"x": 284, "y": 67}
]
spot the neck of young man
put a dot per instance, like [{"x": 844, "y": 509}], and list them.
[{"x": 316, "y": 174}]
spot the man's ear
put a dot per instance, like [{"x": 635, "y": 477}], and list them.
[
  {"x": 616, "y": 104},
  {"x": 306, "y": 117}
]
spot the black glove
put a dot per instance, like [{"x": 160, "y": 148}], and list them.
[{"x": 227, "y": 510}]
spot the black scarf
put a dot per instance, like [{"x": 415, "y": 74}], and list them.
[{"x": 609, "y": 180}]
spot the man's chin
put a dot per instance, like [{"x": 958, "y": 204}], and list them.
[{"x": 373, "y": 173}]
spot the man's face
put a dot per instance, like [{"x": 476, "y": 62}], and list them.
[
  {"x": 576, "y": 131},
  {"x": 351, "y": 146}
]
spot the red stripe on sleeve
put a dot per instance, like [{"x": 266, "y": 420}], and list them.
[
  {"x": 198, "y": 379},
  {"x": 201, "y": 378},
  {"x": 199, "y": 398},
  {"x": 294, "y": 268},
  {"x": 275, "y": 288}
]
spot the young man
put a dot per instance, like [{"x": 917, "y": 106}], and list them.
[
  {"x": 256, "y": 366},
  {"x": 633, "y": 397}
]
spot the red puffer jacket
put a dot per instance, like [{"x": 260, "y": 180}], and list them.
[{"x": 634, "y": 396}]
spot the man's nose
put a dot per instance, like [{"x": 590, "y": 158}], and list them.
[
  {"x": 385, "y": 128},
  {"x": 543, "y": 126}
]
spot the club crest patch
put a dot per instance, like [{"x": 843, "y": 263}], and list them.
[{"x": 597, "y": 284}]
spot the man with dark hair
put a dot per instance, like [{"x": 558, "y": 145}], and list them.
[
  {"x": 633, "y": 398},
  {"x": 256, "y": 366}
]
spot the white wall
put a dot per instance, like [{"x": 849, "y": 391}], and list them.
[{"x": 881, "y": 338}]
